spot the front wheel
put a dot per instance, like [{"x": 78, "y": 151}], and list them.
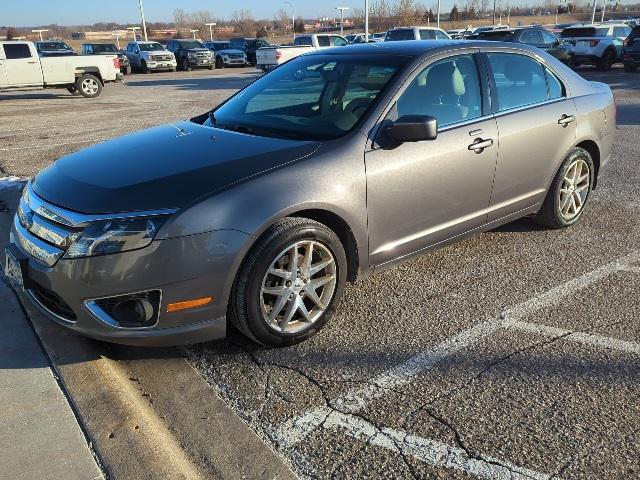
[
  {"x": 185, "y": 65},
  {"x": 290, "y": 284},
  {"x": 144, "y": 67},
  {"x": 89, "y": 85},
  {"x": 607, "y": 60},
  {"x": 569, "y": 192},
  {"x": 219, "y": 63}
]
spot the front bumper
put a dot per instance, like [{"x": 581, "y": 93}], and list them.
[
  {"x": 200, "y": 62},
  {"x": 589, "y": 59},
  {"x": 161, "y": 65},
  {"x": 181, "y": 268}
]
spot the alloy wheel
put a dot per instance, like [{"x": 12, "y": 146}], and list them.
[
  {"x": 298, "y": 286},
  {"x": 574, "y": 190},
  {"x": 90, "y": 86}
]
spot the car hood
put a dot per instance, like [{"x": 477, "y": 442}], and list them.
[
  {"x": 230, "y": 51},
  {"x": 169, "y": 166}
]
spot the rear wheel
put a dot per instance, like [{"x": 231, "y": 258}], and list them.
[
  {"x": 569, "y": 192},
  {"x": 607, "y": 60},
  {"x": 89, "y": 85},
  {"x": 290, "y": 284}
]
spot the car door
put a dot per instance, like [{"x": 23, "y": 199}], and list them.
[
  {"x": 536, "y": 125},
  {"x": 21, "y": 64},
  {"x": 423, "y": 193}
]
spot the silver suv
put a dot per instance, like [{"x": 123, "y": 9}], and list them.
[{"x": 598, "y": 44}]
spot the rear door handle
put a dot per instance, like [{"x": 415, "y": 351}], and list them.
[
  {"x": 32, "y": 63},
  {"x": 479, "y": 144},
  {"x": 566, "y": 120}
]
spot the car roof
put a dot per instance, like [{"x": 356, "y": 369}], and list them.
[
  {"x": 413, "y": 48},
  {"x": 416, "y": 26}
]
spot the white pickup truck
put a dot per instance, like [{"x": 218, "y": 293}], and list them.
[
  {"x": 22, "y": 68},
  {"x": 268, "y": 58}
]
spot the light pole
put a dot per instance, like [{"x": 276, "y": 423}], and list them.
[
  {"x": 193, "y": 32},
  {"x": 210, "y": 25},
  {"x": 117, "y": 35},
  {"x": 144, "y": 23},
  {"x": 40, "y": 32},
  {"x": 133, "y": 30},
  {"x": 593, "y": 14},
  {"x": 366, "y": 21},
  {"x": 438, "y": 15},
  {"x": 342, "y": 9},
  {"x": 293, "y": 19}
]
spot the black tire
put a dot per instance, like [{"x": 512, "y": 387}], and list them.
[
  {"x": 630, "y": 68},
  {"x": 607, "y": 60},
  {"x": 550, "y": 214},
  {"x": 244, "y": 303},
  {"x": 219, "y": 63},
  {"x": 173, "y": 69},
  {"x": 210, "y": 67},
  {"x": 185, "y": 65},
  {"x": 127, "y": 71},
  {"x": 73, "y": 91},
  {"x": 89, "y": 86},
  {"x": 143, "y": 67}
]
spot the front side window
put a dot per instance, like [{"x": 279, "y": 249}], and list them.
[
  {"x": 548, "y": 38},
  {"x": 448, "y": 90},
  {"x": 310, "y": 98},
  {"x": 519, "y": 80},
  {"x": 338, "y": 41},
  {"x": 440, "y": 35},
  {"x": 16, "y": 50},
  {"x": 531, "y": 37}
]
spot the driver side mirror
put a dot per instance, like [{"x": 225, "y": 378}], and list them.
[{"x": 413, "y": 128}]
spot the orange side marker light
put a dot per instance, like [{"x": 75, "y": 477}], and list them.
[{"x": 198, "y": 302}]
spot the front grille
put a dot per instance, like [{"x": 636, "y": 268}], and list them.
[
  {"x": 202, "y": 55},
  {"x": 52, "y": 302},
  {"x": 161, "y": 58},
  {"x": 235, "y": 56}
]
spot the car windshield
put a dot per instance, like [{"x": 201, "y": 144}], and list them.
[
  {"x": 101, "y": 48},
  {"x": 150, "y": 47},
  {"x": 190, "y": 44},
  {"x": 222, "y": 46},
  {"x": 53, "y": 46},
  {"x": 310, "y": 98}
]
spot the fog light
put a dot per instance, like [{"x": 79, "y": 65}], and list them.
[{"x": 133, "y": 312}]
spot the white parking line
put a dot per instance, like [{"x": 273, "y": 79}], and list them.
[
  {"x": 296, "y": 429},
  {"x": 429, "y": 451},
  {"x": 577, "y": 337},
  {"x": 631, "y": 269}
]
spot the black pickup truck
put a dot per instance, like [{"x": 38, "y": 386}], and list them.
[{"x": 108, "y": 49}]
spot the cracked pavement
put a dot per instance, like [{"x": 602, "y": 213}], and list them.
[{"x": 549, "y": 391}]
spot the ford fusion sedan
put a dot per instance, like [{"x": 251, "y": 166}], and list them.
[{"x": 335, "y": 165}]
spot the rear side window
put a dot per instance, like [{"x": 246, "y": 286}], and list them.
[
  {"x": 324, "y": 41},
  {"x": 519, "y": 80},
  {"x": 304, "y": 41},
  {"x": 16, "y": 50},
  {"x": 621, "y": 31},
  {"x": 399, "y": 34},
  {"x": 427, "y": 35},
  {"x": 556, "y": 89}
]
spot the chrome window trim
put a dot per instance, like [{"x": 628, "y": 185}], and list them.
[
  {"x": 79, "y": 220},
  {"x": 36, "y": 248}
]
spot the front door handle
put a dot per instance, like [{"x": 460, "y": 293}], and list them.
[
  {"x": 479, "y": 144},
  {"x": 32, "y": 63},
  {"x": 566, "y": 120}
]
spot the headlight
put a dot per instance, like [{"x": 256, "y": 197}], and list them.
[{"x": 114, "y": 236}]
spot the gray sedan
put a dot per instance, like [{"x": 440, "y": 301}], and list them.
[{"x": 337, "y": 164}]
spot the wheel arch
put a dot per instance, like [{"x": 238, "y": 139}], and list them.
[
  {"x": 593, "y": 149},
  {"x": 89, "y": 70}
]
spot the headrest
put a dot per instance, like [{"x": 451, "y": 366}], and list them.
[
  {"x": 446, "y": 77},
  {"x": 518, "y": 71}
]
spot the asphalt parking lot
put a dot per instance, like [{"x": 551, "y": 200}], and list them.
[{"x": 514, "y": 354}]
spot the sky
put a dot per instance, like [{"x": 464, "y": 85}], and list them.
[{"x": 68, "y": 12}]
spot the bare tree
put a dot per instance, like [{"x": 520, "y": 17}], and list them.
[{"x": 11, "y": 33}]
